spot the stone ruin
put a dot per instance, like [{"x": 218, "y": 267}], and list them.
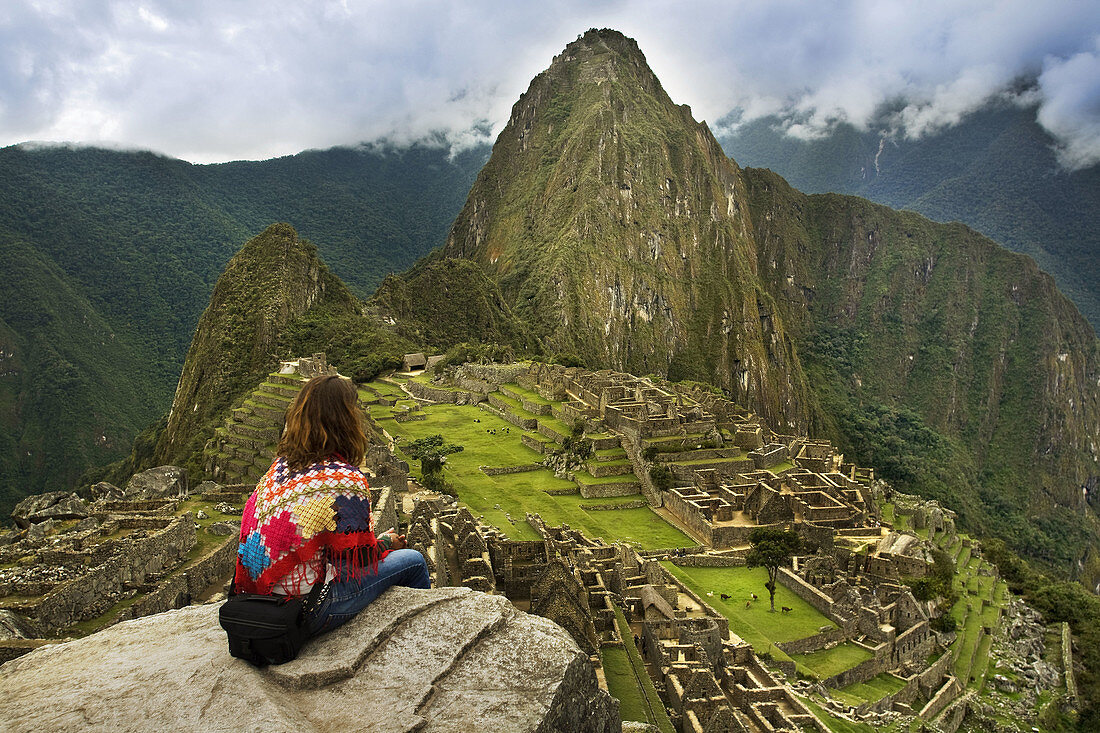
[
  {"x": 731, "y": 474},
  {"x": 129, "y": 552}
]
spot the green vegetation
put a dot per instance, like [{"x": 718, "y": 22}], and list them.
[
  {"x": 825, "y": 663},
  {"x": 981, "y": 172},
  {"x": 755, "y": 624},
  {"x": 117, "y": 253},
  {"x": 772, "y": 549},
  {"x": 274, "y": 279},
  {"x": 432, "y": 453},
  {"x": 875, "y": 688},
  {"x": 837, "y": 725},
  {"x": 519, "y": 493},
  {"x": 1060, "y": 601}
]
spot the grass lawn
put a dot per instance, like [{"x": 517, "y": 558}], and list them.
[
  {"x": 584, "y": 477},
  {"x": 623, "y": 685},
  {"x": 607, "y": 452},
  {"x": 529, "y": 395},
  {"x": 386, "y": 389},
  {"x": 888, "y": 514},
  {"x": 519, "y": 493},
  {"x": 825, "y": 663},
  {"x": 875, "y": 688},
  {"x": 555, "y": 424},
  {"x": 756, "y": 625}
]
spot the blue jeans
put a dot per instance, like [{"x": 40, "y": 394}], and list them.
[{"x": 346, "y": 598}]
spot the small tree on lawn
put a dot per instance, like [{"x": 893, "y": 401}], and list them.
[
  {"x": 772, "y": 548},
  {"x": 432, "y": 453}
]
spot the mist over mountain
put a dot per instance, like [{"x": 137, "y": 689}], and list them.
[{"x": 996, "y": 170}]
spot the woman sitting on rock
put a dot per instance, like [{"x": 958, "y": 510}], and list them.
[{"x": 309, "y": 520}]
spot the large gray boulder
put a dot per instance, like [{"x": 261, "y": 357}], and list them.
[
  {"x": 448, "y": 659},
  {"x": 157, "y": 483},
  {"x": 59, "y": 505},
  {"x": 107, "y": 491}
]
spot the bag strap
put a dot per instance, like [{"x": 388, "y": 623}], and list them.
[{"x": 314, "y": 594}]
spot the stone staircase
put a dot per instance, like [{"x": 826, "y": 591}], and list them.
[{"x": 244, "y": 447}]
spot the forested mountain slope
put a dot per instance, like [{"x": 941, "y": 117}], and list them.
[
  {"x": 996, "y": 171},
  {"x": 131, "y": 244}
]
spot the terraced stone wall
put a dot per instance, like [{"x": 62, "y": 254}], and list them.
[
  {"x": 89, "y": 595},
  {"x": 810, "y": 594},
  {"x": 863, "y": 671},
  {"x": 183, "y": 588}
]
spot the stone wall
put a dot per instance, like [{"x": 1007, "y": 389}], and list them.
[
  {"x": 823, "y": 639},
  {"x": 485, "y": 378},
  {"x": 861, "y": 672},
  {"x": 943, "y": 697},
  {"x": 384, "y": 510},
  {"x": 536, "y": 445},
  {"x": 636, "y": 504},
  {"x": 603, "y": 469},
  {"x": 90, "y": 595},
  {"x": 953, "y": 717},
  {"x": 505, "y": 470},
  {"x": 451, "y": 396},
  {"x": 1067, "y": 662},
  {"x": 689, "y": 515},
  {"x": 184, "y": 587},
  {"x": 712, "y": 561},
  {"x": 604, "y": 491},
  {"x": 808, "y": 593}
]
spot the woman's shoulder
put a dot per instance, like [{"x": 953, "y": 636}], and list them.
[{"x": 337, "y": 469}]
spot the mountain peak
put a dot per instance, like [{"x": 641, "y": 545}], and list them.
[
  {"x": 614, "y": 225},
  {"x": 601, "y": 40},
  {"x": 273, "y": 279}
]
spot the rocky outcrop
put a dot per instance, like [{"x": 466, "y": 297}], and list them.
[
  {"x": 157, "y": 483},
  {"x": 58, "y": 505},
  {"x": 437, "y": 660}
]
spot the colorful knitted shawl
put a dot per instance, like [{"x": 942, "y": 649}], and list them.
[{"x": 298, "y": 521}]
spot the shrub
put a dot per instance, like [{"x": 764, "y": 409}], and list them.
[{"x": 662, "y": 476}]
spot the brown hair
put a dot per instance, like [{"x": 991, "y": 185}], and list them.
[{"x": 324, "y": 420}]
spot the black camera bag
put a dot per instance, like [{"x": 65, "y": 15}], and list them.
[{"x": 266, "y": 629}]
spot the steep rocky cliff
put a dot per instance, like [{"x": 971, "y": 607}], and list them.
[
  {"x": 619, "y": 231},
  {"x": 615, "y": 228},
  {"x": 274, "y": 279}
]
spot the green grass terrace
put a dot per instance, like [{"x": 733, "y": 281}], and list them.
[
  {"x": 755, "y": 623},
  {"x": 488, "y": 440}
]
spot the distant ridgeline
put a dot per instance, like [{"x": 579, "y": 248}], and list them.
[
  {"x": 996, "y": 170},
  {"x": 111, "y": 257}
]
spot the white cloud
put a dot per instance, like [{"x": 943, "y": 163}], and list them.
[
  {"x": 207, "y": 80},
  {"x": 1070, "y": 108}
]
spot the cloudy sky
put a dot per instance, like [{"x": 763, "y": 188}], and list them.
[{"x": 215, "y": 80}]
